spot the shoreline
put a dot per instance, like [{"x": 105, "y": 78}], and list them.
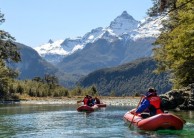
[{"x": 117, "y": 101}]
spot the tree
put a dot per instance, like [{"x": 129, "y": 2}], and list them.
[
  {"x": 175, "y": 46},
  {"x": 51, "y": 79},
  {"x": 164, "y": 4},
  {"x": 8, "y": 52},
  {"x": 4, "y": 80},
  {"x": 167, "y": 6},
  {"x": 154, "y": 10}
]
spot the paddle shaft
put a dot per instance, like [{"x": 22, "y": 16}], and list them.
[
  {"x": 136, "y": 108},
  {"x": 79, "y": 101}
]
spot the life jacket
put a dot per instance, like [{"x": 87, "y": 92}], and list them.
[
  {"x": 85, "y": 101},
  {"x": 93, "y": 101},
  {"x": 155, "y": 103},
  {"x": 89, "y": 102}
]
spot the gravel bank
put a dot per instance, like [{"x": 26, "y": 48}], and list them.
[{"x": 120, "y": 101}]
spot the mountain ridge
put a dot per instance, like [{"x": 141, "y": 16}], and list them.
[
  {"x": 103, "y": 53},
  {"x": 128, "y": 79},
  {"x": 123, "y": 24},
  {"x": 31, "y": 65}
]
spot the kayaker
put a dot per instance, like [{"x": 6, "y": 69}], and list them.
[
  {"x": 93, "y": 101},
  {"x": 151, "y": 103},
  {"x": 85, "y": 100},
  {"x": 90, "y": 101},
  {"x": 97, "y": 101}
]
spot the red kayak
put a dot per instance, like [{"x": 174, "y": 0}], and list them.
[
  {"x": 156, "y": 122},
  {"x": 85, "y": 108}
]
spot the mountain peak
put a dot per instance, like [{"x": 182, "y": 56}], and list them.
[
  {"x": 124, "y": 23},
  {"x": 50, "y": 41},
  {"x": 126, "y": 15}
]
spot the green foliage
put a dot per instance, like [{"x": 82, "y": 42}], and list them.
[
  {"x": 79, "y": 91},
  {"x": 4, "y": 80},
  {"x": 153, "y": 11},
  {"x": 112, "y": 93},
  {"x": 160, "y": 6},
  {"x": 127, "y": 79},
  {"x": 136, "y": 94},
  {"x": 38, "y": 89},
  {"x": 19, "y": 89},
  {"x": 175, "y": 52},
  {"x": 8, "y": 52},
  {"x": 92, "y": 91}
]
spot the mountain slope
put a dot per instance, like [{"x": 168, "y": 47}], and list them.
[
  {"x": 127, "y": 79},
  {"x": 31, "y": 65},
  {"x": 103, "y": 53}
]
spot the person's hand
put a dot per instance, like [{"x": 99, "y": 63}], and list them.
[
  {"x": 78, "y": 101},
  {"x": 133, "y": 111}
]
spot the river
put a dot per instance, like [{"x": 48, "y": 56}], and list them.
[{"x": 63, "y": 121}]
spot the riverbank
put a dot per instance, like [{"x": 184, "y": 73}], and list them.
[{"x": 120, "y": 101}]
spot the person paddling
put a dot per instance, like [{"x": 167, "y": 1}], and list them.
[
  {"x": 97, "y": 100},
  {"x": 91, "y": 101},
  {"x": 85, "y": 100},
  {"x": 151, "y": 103}
]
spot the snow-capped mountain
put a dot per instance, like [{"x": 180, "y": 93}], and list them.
[{"x": 124, "y": 24}]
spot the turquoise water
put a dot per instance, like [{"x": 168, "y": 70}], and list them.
[{"x": 63, "y": 121}]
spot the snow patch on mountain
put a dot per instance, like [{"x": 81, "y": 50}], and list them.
[
  {"x": 51, "y": 48},
  {"x": 148, "y": 27},
  {"x": 91, "y": 37}
]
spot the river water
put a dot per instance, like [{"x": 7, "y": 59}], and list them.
[{"x": 63, "y": 121}]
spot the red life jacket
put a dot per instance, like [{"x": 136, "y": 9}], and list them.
[
  {"x": 85, "y": 101},
  {"x": 155, "y": 102}
]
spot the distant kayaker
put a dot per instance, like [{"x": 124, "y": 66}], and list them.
[
  {"x": 151, "y": 103},
  {"x": 97, "y": 101},
  {"x": 90, "y": 101},
  {"x": 85, "y": 100}
]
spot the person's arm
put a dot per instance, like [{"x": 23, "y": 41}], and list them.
[
  {"x": 80, "y": 101},
  {"x": 145, "y": 104}
]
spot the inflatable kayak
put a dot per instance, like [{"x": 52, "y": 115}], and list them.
[
  {"x": 85, "y": 108},
  {"x": 156, "y": 122}
]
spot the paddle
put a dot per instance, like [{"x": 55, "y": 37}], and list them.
[
  {"x": 79, "y": 101},
  {"x": 136, "y": 108}
]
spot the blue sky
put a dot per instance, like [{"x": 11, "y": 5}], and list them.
[{"x": 34, "y": 22}]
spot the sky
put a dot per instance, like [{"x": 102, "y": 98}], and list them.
[{"x": 34, "y": 22}]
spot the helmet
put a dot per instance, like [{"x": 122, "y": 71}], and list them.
[{"x": 151, "y": 90}]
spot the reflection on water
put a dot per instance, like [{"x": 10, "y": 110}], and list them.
[{"x": 64, "y": 121}]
